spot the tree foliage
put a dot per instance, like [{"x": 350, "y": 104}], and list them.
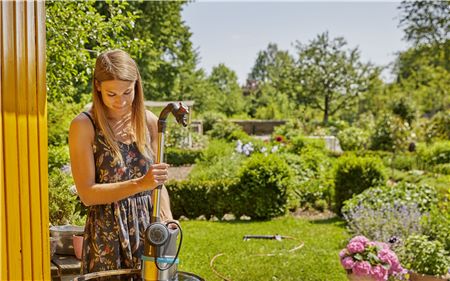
[
  {"x": 426, "y": 22},
  {"x": 331, "y": 77}
]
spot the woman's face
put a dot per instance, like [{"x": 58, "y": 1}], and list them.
[{"x": 117, "y": 95}]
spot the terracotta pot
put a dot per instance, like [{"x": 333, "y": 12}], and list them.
[
  {"x": 423, "y": 277},
  {"x": 78, "y": 245},
  {"x": 353, "y": 277}
]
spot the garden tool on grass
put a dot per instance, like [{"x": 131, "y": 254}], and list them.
[{"x": 160, "y": 257}]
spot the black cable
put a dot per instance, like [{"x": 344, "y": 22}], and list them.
[{"x": 178, "y": 251}]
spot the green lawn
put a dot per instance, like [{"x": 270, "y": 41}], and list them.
[{"x": 316, "y": 260}]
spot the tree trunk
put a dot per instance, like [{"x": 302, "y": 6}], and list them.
[{"x": 327, "y": 109}]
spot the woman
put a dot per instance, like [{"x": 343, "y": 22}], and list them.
[{"x": 112, "y": 149}]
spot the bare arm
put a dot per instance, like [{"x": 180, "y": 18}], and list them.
[
  {"x": 152, "y": 123},
  {"x": 81, "y": 135}
]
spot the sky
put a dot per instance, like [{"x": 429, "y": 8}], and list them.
[{"x": 234, "y": 32}]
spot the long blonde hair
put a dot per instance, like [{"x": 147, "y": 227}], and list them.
[{"x": 118, "y": 65}]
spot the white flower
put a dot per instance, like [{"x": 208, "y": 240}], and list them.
[
  {"x": 263, "y": 149},
  {"x": 239, "y": 146},
  {"x": 274, "y": 149}
]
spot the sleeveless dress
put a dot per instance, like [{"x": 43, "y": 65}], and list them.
[{"x": 114, "y": 233}]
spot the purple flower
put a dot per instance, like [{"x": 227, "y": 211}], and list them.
[
  {"x": 355, "y": 247},
  {"x": 379, "y": 273},
  {"x": 347, "y": 262},
  {"x": 361, "y": 268},
  {"x": 360, "y": 239}
]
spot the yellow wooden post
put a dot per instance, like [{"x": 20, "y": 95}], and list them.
[{"x": 23, "y": 142}]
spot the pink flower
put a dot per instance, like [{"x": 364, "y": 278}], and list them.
[
  {"x": 382, "y": 245},
  {"x": 387, "y": 256},
  {"x": 360, "y": 239},
  {"x": 361, "y": 268},
  {"x": 379, "y": 273},
  {"x": 355, "y": 247},
  {"x": 347, "y": 262},
  {"x": 343, "y": 253}
]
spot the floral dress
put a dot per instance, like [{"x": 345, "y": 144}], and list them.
[{"x": 114, "y": 233}]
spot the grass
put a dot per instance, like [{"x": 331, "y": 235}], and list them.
[{"x": 316, "y": 260}]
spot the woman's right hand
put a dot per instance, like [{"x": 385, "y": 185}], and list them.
[{"x": 157, "y": 175}]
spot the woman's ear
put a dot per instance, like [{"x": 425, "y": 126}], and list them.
[{"x": 98, "y": 86}]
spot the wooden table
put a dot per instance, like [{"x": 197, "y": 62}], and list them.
[{"x": 65, "y": 267}]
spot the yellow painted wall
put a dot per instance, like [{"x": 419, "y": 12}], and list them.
[{"x": 23, "y": 142}]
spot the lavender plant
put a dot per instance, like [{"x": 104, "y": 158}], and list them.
[{"x": 382, "y": 223}]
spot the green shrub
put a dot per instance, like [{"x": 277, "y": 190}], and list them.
[
  {"x": 292, "y": 128},
  {"x": 179, "y": 156},
  {"x": 298, "y": 143},
  {"x": 193, "y": 198},
  {"x": 390, "y": 134},
  {"x": 218, "y": 161},
  {"x": 442, "y": 169},
  {"x": 64, "y": 207},
  {"x": 58, "y": 156},
  {"x": 263, "y": 189},
  {"x": 421, "y": 255},
  {"x": 437, "y": 153},
  {"x": 404, "y": 193},
  {"x": 210, "y": 118},
  {"x": 353, "y": 139},
  {"x": 228, "y": 131},
  {"x": 355, "y": 174},
  {"x": 439, "y": 127},
  {"x": 437, "y": 226}
]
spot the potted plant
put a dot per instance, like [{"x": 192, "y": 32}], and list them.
[
  {"x": 427, "y": 260},
  {"x": 366, "y": 260}
]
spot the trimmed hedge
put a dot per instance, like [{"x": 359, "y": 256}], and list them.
[
  {"x": 180, "y": 157},
  {"x": 192, "y": 198},
  {"x": 353, "y": 175}
]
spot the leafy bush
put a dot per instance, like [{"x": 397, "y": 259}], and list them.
[
  {"x": 218, "y": 161},
  {"x": 179, "y": 157},
  {"x": 228, "y": 131},
  {"x": 442, "y": 169},
  {"x": 298, "y": 143},
  {"x": 292, "y": 128},
  {"x": 263, "y": 188},
  {"x": 424, "y": 256},
  {"x": 310, "y": 182},
  {"x": 178, "y": 136},
  {"x": 353, "y": 139},
  {"x": 58, "y": 156},
  {"x": 355, "y": 174},
  {"x": 439, "y": 127},
  {"x": 210, "y": 118},
  {"x": 63, "y": 205},
  {"x": 437, "y": 226},
  {"x": 402, "y": 194},
  {"x": 437, "y": 153},
  {"x": 193, "y": 198},
  {"x": 390, "y": 134}
]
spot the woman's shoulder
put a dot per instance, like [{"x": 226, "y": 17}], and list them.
[
  {"x": 82, "y": 123},
  {"x": 151, "y": 118}
]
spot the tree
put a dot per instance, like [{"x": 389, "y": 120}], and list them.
[
  {"x": 226, "y": 90},
  {"x": 425, "y": 22},
  {"x": 331, "y": 77},
  {"x": 270, "y": 84}
]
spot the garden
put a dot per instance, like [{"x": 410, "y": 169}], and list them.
[{"x": 378, "y": 208}]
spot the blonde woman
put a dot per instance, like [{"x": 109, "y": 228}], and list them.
[{"x": 112, "y": 148}]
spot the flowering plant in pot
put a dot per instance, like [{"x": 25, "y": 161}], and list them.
[
  {"x": 370, "y": 260},
  {"x": 427, "y": 259}
]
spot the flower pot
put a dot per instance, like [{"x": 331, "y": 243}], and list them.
[
  {"x": 354, "y": 277},
  {"x": 424, "y": 277},
  {"x": 78, "y": 245},
  {"x": 63, "y": 235}
]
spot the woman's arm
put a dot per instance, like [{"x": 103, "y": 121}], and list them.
[
  {"x": 81, "y": 136},
  {"x": 152, "y": 123}
]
